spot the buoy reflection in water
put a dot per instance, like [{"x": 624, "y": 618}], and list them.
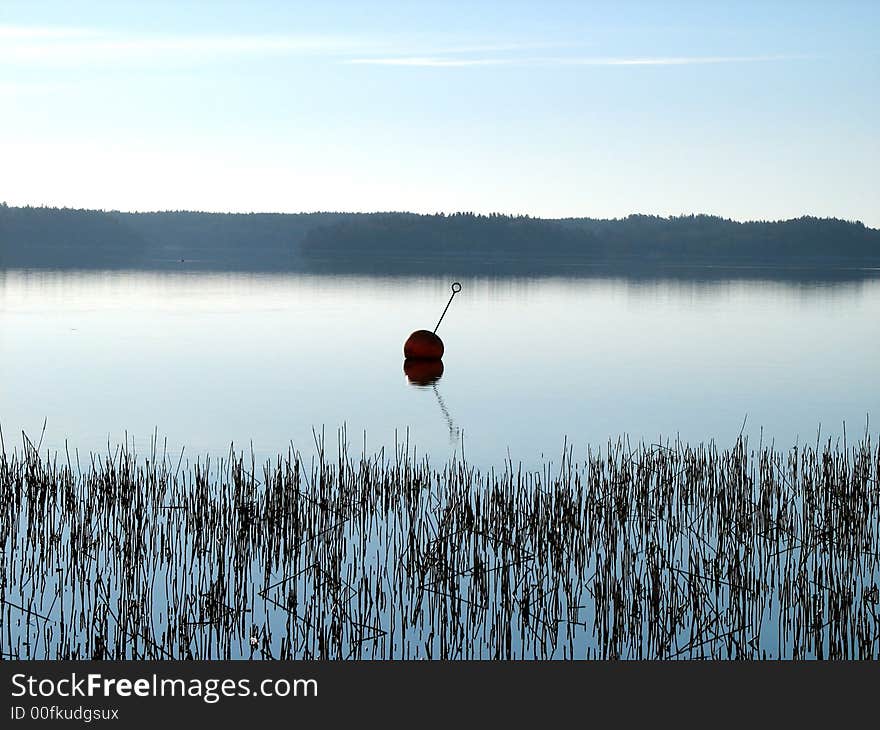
[
  {"x": 426, "y": 374},
  {"x": 422, "y": 372}
]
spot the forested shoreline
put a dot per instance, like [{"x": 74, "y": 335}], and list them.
[{"x": 407, "y": 243}]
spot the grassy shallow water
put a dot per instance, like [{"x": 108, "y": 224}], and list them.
[{"x": 647, "y": 550}]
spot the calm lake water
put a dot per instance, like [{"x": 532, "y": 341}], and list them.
[{"x": 207, "y": 360}]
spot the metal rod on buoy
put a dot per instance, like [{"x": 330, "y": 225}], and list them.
[
  {"x": 424, "y": 345},
  {"x": 456, "y": 288}
]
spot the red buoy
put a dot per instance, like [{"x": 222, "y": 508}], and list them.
[{"x": 423, "y": 345}]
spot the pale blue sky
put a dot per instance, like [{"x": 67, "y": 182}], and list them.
[{"x": 763, "y": 110}]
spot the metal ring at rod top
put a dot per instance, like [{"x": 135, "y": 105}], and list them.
[{"x": 446, "y": 308}]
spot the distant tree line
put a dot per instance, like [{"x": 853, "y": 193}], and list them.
[
  {"x": 519, "y": 244},
  {"x": 424, "y": 244},
  {"x": 63, "y": 237}
]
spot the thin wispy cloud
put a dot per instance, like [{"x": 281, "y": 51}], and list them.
[
  {"x": 439, "y": 62},
  {"x": 431, "y": 61},
  {"x": 52, "y": 46}
]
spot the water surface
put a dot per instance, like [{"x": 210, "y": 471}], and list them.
[{"x": 207, "y": 360}]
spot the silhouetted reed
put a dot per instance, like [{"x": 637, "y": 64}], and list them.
[{"x": 653, "y": 551}]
